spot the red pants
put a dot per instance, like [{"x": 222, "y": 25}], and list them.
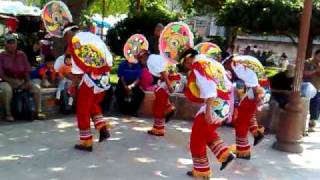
[
  {"x": 203, "y": 135},
  {"x": 161, "y": 107},
  {"x": 88, "y": 106},
  {"x": 244, "y": 122}
]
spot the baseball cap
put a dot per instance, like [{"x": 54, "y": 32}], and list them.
[{"x": 10, "y": 37}]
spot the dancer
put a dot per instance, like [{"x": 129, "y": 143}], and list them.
[
  {"x": 90, "y": 65},
  {"x": 207, "y": 83},
  {"x": 163, "y": 109},
  {"x": 253, "y": 91}
]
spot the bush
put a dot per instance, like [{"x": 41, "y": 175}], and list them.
[{"x": 143, "y": 23}]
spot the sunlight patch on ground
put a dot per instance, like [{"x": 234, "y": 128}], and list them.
[
  {"x": 114, "y": 139},
  {"x": 309, "y": 160},
  {"x": 43, "y": 149},
  {"x": 134, "y": 149},
  {"x": 14, "y": 157},
  {"x": 56, "y": 169},
  {"x": 63, "y": 125},
  {"x": 184, "y": 161},
  {"x": 184, "y": 130},
  {"x": 93, "y": 166},
  {"x": 141, "y": 129},
  {"x": 144, "y": 160},
  {"x": 160, "y": 173}
]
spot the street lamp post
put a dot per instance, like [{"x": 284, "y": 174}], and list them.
[{"x": 289, "y": 135}]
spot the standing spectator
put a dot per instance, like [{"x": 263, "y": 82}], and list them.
[
  {"x": 128, "y": 93},
  {"x": 312, "y": 74},
  {"x": 154, "y": 40},
  {"x": 14, "y": 73}
]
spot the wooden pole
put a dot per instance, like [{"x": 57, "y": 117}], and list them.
[{"x": 292, "y": 120}]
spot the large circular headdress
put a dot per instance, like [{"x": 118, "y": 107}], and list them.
[
  {"x": 252, "y": 63},
  {"x": 55, "y": 16},
  {"x": 209, "y": 49},
  {"x": 133, "y": 46},
  {"x": 90, "y": 53},
  {"x": 174, "y": 40},
  {"x": 156, "y": 64}
]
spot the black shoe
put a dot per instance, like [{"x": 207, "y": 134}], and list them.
[
  {"x": 169, "y": 116},
  {"x": 83, "y": 148},
  {"x": 258, "y": 138},
  {"x": 189, "y": 173},
  {"x": 104, "y": 134},
  {"x": 228, "y": 161},
  {"x": 248, "y": 157}
]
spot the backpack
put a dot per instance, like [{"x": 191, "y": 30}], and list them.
[{"x": 22, "y": 105}]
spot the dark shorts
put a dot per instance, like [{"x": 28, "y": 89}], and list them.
[{"x": 315, "y": 107}]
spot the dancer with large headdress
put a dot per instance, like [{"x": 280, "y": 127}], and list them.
[
  {"x": 250, "y": 72},
  {"x": 173, "y": 39},
  {"x": 91, "y": 63},
  {"x": 206, "y": 85}
]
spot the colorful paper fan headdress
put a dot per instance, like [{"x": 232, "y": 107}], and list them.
[
  {"x": 90, "y": 53},
  {"x": 55, "y": 16},
  {"x": 209, "y": 49},
  {"x": 251, "y": 63},
  {"x": 174, "y": 40},
  {"x": 133, "y": 46}
]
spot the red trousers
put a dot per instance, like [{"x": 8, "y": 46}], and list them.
[
  {"x": 161, "y": 107},
  {"x": 244, "y": 122},
  {"x": 203, "y": 135},
  {"x": 88, "y": 107}
]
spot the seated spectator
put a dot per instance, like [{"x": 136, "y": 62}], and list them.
[
  {"x": 45, "y": 75},
  {"x": 65, "y": 76},
  {"x": 147, "y": 82},
  {"x": 128, "y": 93},
  {"x": 281, "y": 85},
  {"x": 14, "y": 73}
]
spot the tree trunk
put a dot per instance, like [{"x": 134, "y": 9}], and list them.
[
  {"x": 310, "y": 46},
  {"x": 76, "y": 8},
  {"x": 231, "y": 36}
]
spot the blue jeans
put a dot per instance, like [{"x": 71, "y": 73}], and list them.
[{"x": 315, "y": 107}]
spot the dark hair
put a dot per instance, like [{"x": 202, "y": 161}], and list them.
[
  {"x": 49, "y": 58},
  {"x": 317, "y": 52},
  {"x": 189, "y": 52}
]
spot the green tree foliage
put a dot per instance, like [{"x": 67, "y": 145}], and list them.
[
  {"x": 112, "y": 7},
  {"x": 274, "y": 17},
  {"x": 138, "y": 22},
  {"x": 261, "y": 16}
]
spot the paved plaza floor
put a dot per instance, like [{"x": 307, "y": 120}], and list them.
[{"x": 42, "y": 150}]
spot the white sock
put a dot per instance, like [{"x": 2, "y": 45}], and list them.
[
  {"x": 58, "y": 95},
  {"x": 70, "y": 101}
]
